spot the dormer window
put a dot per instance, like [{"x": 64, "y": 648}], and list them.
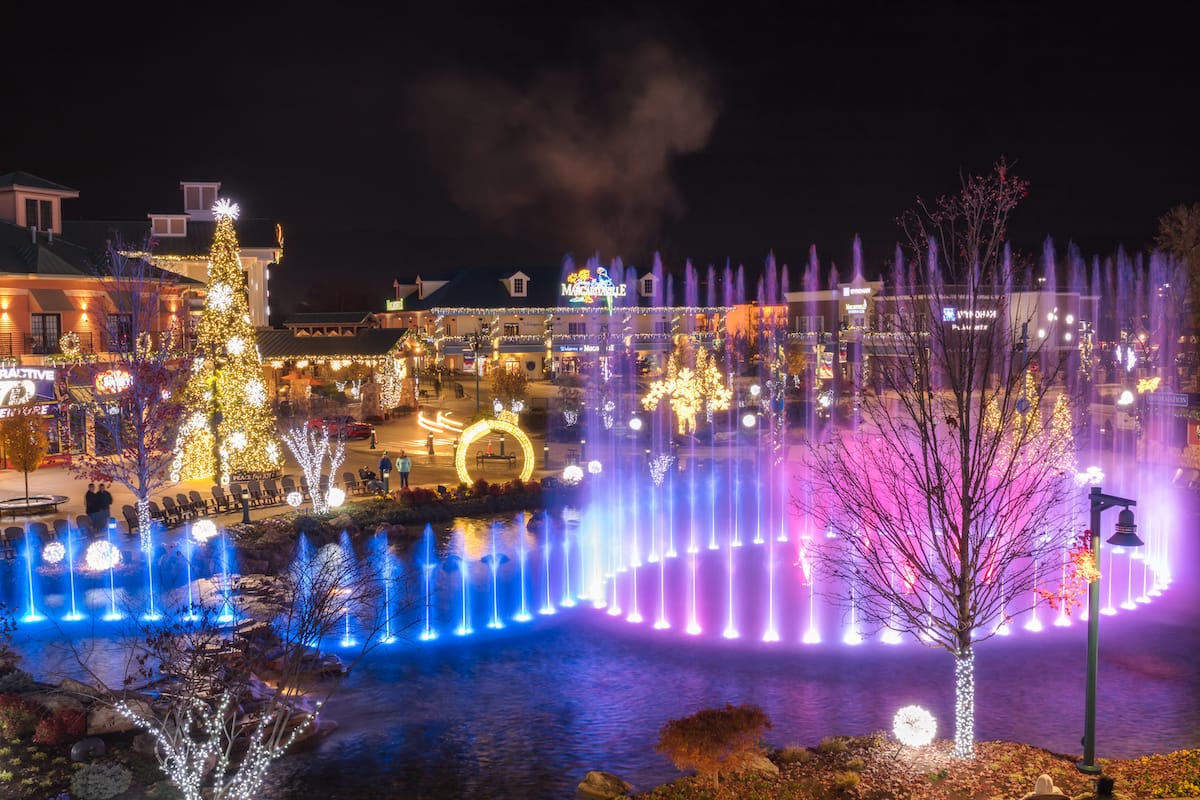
[
  {"x": 518, "y": 287},
  {"x": 167, "y": 225},
  {"x": 648, "y": 286},
  {"x": 199, "y": 198},
  {"x": 517, "y": 284},
  {"x": 39, "y": 214}
]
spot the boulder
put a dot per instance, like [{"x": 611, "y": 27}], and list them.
[
  {"x": 54, "y": 702},
  {"x": 79, "y": 689},
  {"x": 145, "y": 744},
  {"x": 104, "y": 719},
  {"x": 598, "y": 785},
  {"x": 87, "y": 749}
]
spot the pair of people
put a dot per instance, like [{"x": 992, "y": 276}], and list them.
[
  {"x": 404, "y": 466},
  {"x": 97, "y": 504}
]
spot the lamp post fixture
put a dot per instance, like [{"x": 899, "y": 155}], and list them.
[
  {"x": 474, "y": 339},
  {"x": 385, "y": 480},
  {"x": 1125, "y": 536},
  {"x": 246, "y": 506}
]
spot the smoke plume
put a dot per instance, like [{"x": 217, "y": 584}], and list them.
[{"x": 577, "y": 158}]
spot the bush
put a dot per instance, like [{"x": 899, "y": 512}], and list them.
[
  {"x": 67, "y": 724},
  {"x": 18, "y": 716},
  {"x": 714, "y": 739},
  {"x": 846, "y": 780},
  {"x": 100, "y": 780},
  {"x": 832, "y": 744},
  {"x": 793, "y": 754},
  {"x": 16, "y": 681}
]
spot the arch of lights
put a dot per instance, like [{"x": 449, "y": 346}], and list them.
[{"x": 484, "y": 427}]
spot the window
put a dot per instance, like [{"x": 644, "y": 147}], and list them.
[
  {"x": 39, "y": 214},
  {"x": 648, "y": 286},
  {"x": 576, "y": 328},
  {"x": 45, "y": 330},
  {"x": 485, "y": 329},
  {"x": 47, "y": 221},
  {"x": 31, "y": 214},
  {"x": 120, "y": 332},
  {"x": 191, "y": 197},
  {"x": 661, "y": 326},
  {"x": 518, "y": 285},
  {"x": 512, "y": 329}
]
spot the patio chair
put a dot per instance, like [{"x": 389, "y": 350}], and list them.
[
  {"x": 221, "y": 501},
  {"x": 83, "y": 524},
  {"x": 131, "y": 519},
  {"x": 271, "y": 493},
  {"x": 305, "y": 489},
  {"x": 289, "y": 486},
  {"x": 257, "y": 498},
  {"x": 203, "y": 506},
  {"x": 39, "y": 529},
  {"x": 172, "y": 514},
  {"x": 353, "y": 484},
  {"x": 157, "y": 514},
  {"x": 9, "y": 540},
  {"x": 62, "y": 528},
  {"x": 187, "y": 506}
]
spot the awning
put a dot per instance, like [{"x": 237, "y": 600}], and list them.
[{"x": 51, "y": 300}]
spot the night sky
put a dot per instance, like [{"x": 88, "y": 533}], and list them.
[{"x": 437, "y": 136}]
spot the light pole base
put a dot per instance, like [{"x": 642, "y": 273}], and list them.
[{"x": 1089, "y": 769}]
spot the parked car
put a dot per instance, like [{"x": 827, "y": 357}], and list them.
[{"x": 342, "y": 426}]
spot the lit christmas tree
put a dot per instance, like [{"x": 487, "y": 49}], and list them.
[{"x": 229, "y": 426}]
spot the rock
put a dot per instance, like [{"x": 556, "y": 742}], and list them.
[
  {"x": 144, "y": 743},
  {"x": 106, "y": 719},
  {"x": 758, "y": 763},
  {"x": 78, "y": 688},
  {"x": 598, "y": 785},
  {"x": 87, "y": 749},
  {"x": 54, "y": 702}
]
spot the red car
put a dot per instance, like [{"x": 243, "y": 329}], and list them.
[{"x": 342, "y": 426}]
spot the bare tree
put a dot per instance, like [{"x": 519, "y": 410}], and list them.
[
  {"x": 23, "y": 437},
  {"x": 311, "y": 447},
  {"x": 946, "y": 495},
  {"x": 238, "y": 678},
  {"x": 139, "y": 381}
]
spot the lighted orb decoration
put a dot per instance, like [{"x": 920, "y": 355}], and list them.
[
  {"x": 102, "y": 555},
  {"x": 203, "y": 530},
  {"x": 336, "y": 497},
  {"x": 572, "y": 475},
  {"x": 914, "y": 726},
  {"x": 483, "y": 427},
  {"x": 53, "y": 552},
  {"x": 595, "y": 467},
  {"x": 749, "y": 420},
  {"x": 635, "y": 424},
  {"x": 294, "y": 499}
]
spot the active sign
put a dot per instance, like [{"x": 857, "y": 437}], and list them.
[{"x": 1167, "y": 399}]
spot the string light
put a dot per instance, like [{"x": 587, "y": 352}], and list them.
[
  {"x": 964, "y": 704},
  {"x": 690, "y": 388},
  {"x": 53, "y": 552},
  {"x": 203, "y": 530},
  {"x": 572, "y": 475},
  {"x": 311, "y": 448},
  {"x": 102, "y": 555}
]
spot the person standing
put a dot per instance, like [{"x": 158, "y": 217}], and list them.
[
  {"x": 385, "y": 468},
  {"x": 104, "y": 501},
  {"x": 89, "y": 503},
  {"x": 405, "y": 468}
]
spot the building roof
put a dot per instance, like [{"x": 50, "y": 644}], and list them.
[
  {"x": 342, "y": 318},
  {"x": 252, "y": 234},
  {"x": 21, "y": 255},
  {"x": 482, "y": 287},
  {"x": 368, "y": 343},
  {"x": 29, "y": 181}
]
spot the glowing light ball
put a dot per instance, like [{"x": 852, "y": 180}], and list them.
[
  {"x": 748, "y": 420},
  {"x": 204, "y": 530},
  {"x": 102, "y": 555},
  {"x": 635, "y": 424},
  {"x": 595, "y": 467},
  {"x": 336, "y": 497},
  {"x": 572, "y": 475},
  {"x": 53, "y": 552},
  {"x": 914, "y": 726},
  {"x": 294, "y": 499}
]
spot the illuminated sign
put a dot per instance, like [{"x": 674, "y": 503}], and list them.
[
  {"x": 581, "y": 287},
  {"x": 847, "y": 291},
  {"x": 395, "y": 305},
  {"x": 21, "y": 385},
  {"x": 856, "y": 308},
  {"x": 32, "y": 410},
  {"x": 113, "y": 381}
]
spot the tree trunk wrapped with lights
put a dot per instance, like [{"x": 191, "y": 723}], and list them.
[{"x": 229, "y": 426}]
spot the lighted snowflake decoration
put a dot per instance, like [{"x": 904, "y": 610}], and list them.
[
  {"x": 224, "y": 208},
  {"x": 220, "y": 296},
  {"x": 256, "y": 393},
  {"x": 570, "y": 417},
  {"x": 336, "y": 497},
  {"x": 914, "y": 726},
  {"x": 595, "y": 467},
  {"x": 204, "y": 530},
  {"x": 102, "y": 555},
  {"x": 273, "y": 453},
  {"x": 294, "y": 499},
  {"x": 236, "y": 346},
  {"x": 572, "y": 475},
  {"x": 53, "y": 552},
  {"x": 606, "y": 414},
  {"x": 237, "y": 440},
  {"x": 517, "y": 406},
  {"x": 659, "y": 466}
]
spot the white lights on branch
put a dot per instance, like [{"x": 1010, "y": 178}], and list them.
[
  {"x": 659, "y": 466},
  {"x": 914, "y": 726},
  {"x": 964, "y": 705},
  {"x": 224, "y": 208}
]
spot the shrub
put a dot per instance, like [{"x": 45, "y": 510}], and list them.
[
  {"x": 66, "y": 724},
  {"x": 18, "y": 716},
  {"x": 793, "y": 754},
  {"x": 846, "y": 780},
  {"x": 100, "y": 780},
  {"x": 16, "y": 681},
  {"x": 714, "y": 739},
  {"x": 831, "y": 744}
]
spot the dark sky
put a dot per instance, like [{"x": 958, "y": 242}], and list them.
[{"x": 436, "y": 135}]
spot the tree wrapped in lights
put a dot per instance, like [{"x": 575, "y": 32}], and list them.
[
  {"x": 228, "y": 707},
  {"x": 228, "y": 426},
  {"x": 311, "y": 447},
  {"x": 693, "y": 382},
  {"x": 954, "y": 486},
  {"x": 139, "y": 383}
]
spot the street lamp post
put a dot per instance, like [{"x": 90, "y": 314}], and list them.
[
  {"x": 246, "y": 506},
  {"x": 1125, "y": 536},
  {"x": 475, "y": 339}
]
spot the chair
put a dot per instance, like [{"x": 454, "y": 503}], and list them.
[
  {"x": 323, "y": 485},
  {"x": 172, "y": 514},
  {"x": 257, "y": 498},
  {"x": 305, "y": 489},
  {"x": 199, "y": 502},
  {"x": 62, "y": 529},
  {"x": 9, "y": 539},
  {"x": 39, "y": 529},
  {"x": 353, "y": 484},
  {"x": 289, "y": 486},
  {"x": 131, "y": 519},
  {"x": 271, "y": 491},
  {"x": 221, "y": 501},
  {"x": 83, "y": 524},
  {"x": 156, "y": 513}
]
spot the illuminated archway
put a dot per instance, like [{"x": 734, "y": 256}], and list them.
[{"x": 485, "y": 426}]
